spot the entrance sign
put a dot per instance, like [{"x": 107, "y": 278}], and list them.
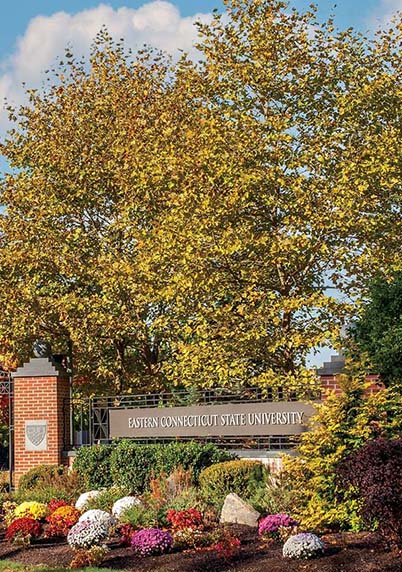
[{"x": 237, "y": 419}]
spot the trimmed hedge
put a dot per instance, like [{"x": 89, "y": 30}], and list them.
[
  {"x": 190, "y": 456},
  {"x": 93, "y": 463},
  {"x": 130, "y": 465},
  {"x": 242, "y": 477}
]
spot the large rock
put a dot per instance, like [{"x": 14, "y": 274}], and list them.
[{"x": 237, "y": 511}]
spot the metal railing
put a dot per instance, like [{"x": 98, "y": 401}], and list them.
[{"x": 91, "y": 415}]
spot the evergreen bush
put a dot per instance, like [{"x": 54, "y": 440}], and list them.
[
  {"x": 189, "y": 456},
  {"x": 242, "y": 477},
  {"x": 132, "y": 465}
]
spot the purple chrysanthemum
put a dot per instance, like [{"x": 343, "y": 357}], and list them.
[
  {"x": 151, "y": 541},
  {"x": 270, "y": 525}
]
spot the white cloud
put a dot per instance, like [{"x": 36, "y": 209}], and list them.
[
  {"x": 157, "y": 23},
  {"x": 383, "y": 14}
]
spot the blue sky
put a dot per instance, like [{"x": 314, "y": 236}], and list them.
[
  {"x": 34, "y": 32},
  {"x": 15, "y": 16}
]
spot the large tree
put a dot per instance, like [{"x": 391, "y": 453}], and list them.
[
  {"x": 181, "y": 224},
  {"x": 93, "y": 159},
  {"x": 299, "y": 191}
]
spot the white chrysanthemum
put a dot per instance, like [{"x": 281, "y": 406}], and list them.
[
  {"x": 303, "y": 546},
  {"x": 84, "y": 499},
  {"x": 97, "y": 515},
  {"x": 86, "y": 534},
  {"x": 123, "y": 504}
]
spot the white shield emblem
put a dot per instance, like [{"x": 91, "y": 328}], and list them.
[{"x": 35, "y": 435}]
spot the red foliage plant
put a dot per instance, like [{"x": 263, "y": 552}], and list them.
[
  {"x": 126, "y": 533},
  {"x": 54, "y": 504},
  {"x": 228, "y": 546},
  {"x": 179, "y": 519},
  {"x": 26, "y": 528},
  {"x": 375, "y": 471}
]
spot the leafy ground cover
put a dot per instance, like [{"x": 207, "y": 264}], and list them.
[{"x": 346, "y": 552}]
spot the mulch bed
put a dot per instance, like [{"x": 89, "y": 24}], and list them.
[{"x": 346, "y": 552}]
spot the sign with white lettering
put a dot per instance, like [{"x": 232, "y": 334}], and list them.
[{"x": 239, "y": 419}]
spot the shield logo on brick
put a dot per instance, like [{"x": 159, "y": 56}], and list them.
[{"x": 36, "y": 434}]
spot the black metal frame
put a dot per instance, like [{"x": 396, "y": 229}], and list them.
[
  {"x": 6, "y": 388},
  {"x": 92, "y": 414}
]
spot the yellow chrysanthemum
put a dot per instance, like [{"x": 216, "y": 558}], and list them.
[{"x": 31, "y": 509}]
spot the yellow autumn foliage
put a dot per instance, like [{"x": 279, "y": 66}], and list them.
[{"x": 343, "y": 423}]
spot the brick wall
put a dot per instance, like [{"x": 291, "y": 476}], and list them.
[{"x": 330, "y": 383}]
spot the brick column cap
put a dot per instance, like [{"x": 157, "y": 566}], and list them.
[{"x": 40, "y": 367}]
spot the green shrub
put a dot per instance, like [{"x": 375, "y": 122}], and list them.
[
  {"x": 275, "y": 496},
  {"x": 38, "y": 475},
  {"x": 190, "y": 456},
  {"x": 93, "y": 463},
  {"x": 130, "y": 465},
  {"x": 142, "y": 516},
  {"x": 242, "y": 477},
  {"x": 133, "y": 465}
]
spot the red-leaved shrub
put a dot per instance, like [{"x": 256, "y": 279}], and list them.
[
  {"x": 126, "y": 533},
  {"x": 375, "y": 471},
  {"x": 24, "y": 529},
  {"x": 180, "y": 519}
]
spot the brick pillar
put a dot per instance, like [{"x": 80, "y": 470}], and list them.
[
  {"x": 41, "y": 420},
  {"x": 330, "y": 383}
]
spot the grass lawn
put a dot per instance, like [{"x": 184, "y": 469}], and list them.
[{"x": 8, "y": 566}]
